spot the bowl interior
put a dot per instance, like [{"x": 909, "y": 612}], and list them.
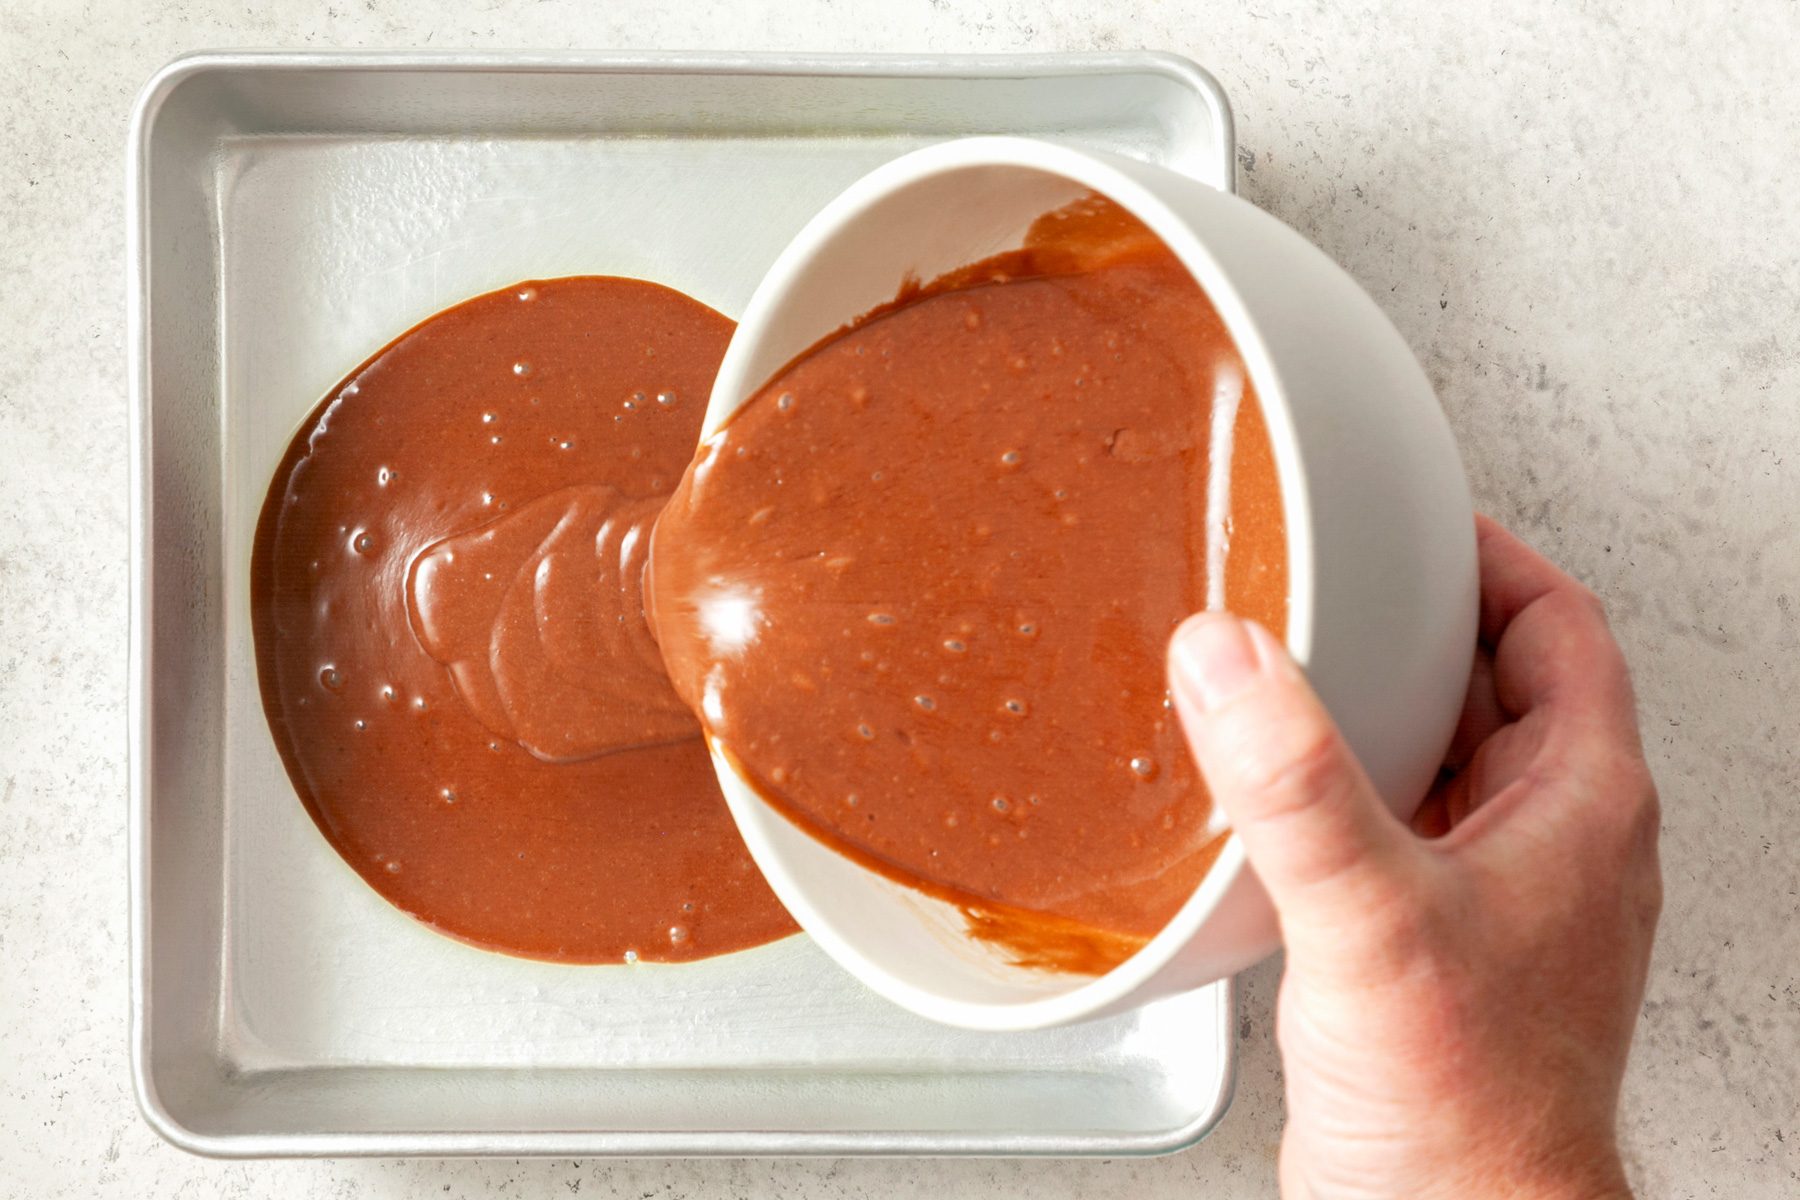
[
  {"x": 921, "y": 216},
  {"x": 846, "y": 262}
]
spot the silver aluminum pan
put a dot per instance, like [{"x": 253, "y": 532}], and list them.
[{"x": 287, "y": 213}]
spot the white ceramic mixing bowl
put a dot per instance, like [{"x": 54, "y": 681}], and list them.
[{"x": 1381, "y": 546}]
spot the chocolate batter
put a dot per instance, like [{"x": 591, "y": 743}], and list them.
[
  {"x": 450, "y": 636},
  {"x": 920, "y": 588}
]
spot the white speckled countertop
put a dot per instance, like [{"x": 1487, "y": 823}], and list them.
[{"x": 1584, "y": 218}]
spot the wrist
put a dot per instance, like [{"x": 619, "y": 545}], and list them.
[
  {"x": 1584, "y": 1169},
  {"x": 1594, "y": 1175}
]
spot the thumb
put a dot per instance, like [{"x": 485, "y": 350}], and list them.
[{"x": 1314, "y": 829}]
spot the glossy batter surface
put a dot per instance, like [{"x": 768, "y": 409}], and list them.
[
  {"x": 920, "y": 588},
  {"x": 450, "y": 637}
]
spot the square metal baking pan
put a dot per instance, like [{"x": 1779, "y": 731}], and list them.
[{"x": 288, "y": 213}]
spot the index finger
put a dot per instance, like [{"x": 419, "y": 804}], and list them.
[
  {"x": 1513, "y": 576},
  {"x": 1552, "y": 647}
]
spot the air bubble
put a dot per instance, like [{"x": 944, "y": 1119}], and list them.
[
  {"x": 666, "y": 399},
  {"x": 955, "y": 646},
  {"x": 925, "y": 702},
  {"x": 393, "y": 868},
  {"x": 489, "y": 418},
  {"x": 387, "y": 692},
  {"x": 865, "y": 732},
  {"x": 1010, "y": 458},
  {"x": 361, "y": 724},
  {"x": 1143, "y": 768},
  {"x": 1028, "y": 629},
  {"x": 678, "y": 934},
  {"x": 631, "y": 404},
  {"x": 448, "y": 794},
  {"x": 881, "y": 618},
  {"x": 852, "y": 800},
  {"x": 631, "y": 956},
  {"x": 1017, "y": 708},
  {"x": 495, "y": 439},
  {"x": 528, "y": 294},
  {"x": 331, "y": 679},
  {"x": 521, "y": 369},
  {"x": 383, "y": 476},
  {"x": 565, "y": 445},
  {"x": 784, "y": 401},
  {"x": 687, "y": 906},
  {"x": 419, "y": 703},
  {"x": 1000, "y": 803},
  {"x": 362, "y": 543}
]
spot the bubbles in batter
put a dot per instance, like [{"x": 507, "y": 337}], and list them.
[{"x": 1040, "y": 426}]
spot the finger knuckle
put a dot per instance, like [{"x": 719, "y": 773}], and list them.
[
  {"x": 1638, "y": 802},
  {"x": 1295, "y": 776},
  {"x": 1591, "y": 600}
]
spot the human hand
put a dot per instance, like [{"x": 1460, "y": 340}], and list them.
[{"x": 1459, "y": 997}]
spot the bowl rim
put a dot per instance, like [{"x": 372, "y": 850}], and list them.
[{"x": 1114, "y": 178}]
